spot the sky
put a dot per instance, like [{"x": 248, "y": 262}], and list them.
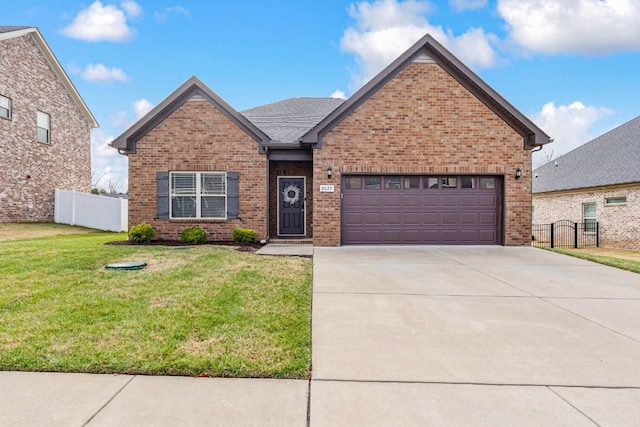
[{"x": 569, "y": 65}]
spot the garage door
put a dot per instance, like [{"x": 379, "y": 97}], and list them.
[{"x": 460, "y": 210}]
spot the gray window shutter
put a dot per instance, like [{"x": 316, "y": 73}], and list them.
[
  {"x": 162, "y": 195},
  {"x": 232, "y": 195}
]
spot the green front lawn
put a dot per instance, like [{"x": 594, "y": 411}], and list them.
[
  {"x": 204, "y": 310},
  {"x": 593, "y": 255}
]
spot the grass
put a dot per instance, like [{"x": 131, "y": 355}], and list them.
[
  {"x": 205, "y": 310},
  {"x": 622, "y": 263}
]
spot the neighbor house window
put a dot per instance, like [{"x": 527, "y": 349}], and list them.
[
  {"x": 589, "y": 217},
  {"x": 616, "y": 200},
  {"x": 198, "y": 195},
  {"x": 44, "y": 127},
  {"x": 5, "y": 107}
]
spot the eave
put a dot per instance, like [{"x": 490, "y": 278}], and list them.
[
  {"x": 126, "y": 142},
  {"x": 532, "y": 135},
  {"x": 56, "y": 67}
]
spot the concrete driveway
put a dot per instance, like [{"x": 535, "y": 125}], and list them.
[{"x": 472, "y": 336}]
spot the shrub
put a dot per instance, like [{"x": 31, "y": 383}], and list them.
[
  {"x": 193, "y": 235},
  {"x": 244, "y": 235},
  {"x": 141, "y": 233}
]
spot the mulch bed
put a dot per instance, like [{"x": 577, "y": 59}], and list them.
[{"x": 242, "y": 247}]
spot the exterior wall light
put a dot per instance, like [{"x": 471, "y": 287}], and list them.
[
  {"x": 329, "y": 172},
  {"x": 518, "y": 173}
]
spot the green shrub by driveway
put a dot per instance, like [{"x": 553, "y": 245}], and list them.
[{"x": 203, "y": 310}]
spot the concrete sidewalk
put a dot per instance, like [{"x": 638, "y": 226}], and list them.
[{"x": 54, "y": 399}]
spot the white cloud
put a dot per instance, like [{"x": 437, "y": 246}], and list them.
[
  {"x": 467, "y": 4},
  {"x": 131, "y": 8},
  {"x": 100, "y": 73},
  {"x": 107, "y": 164},
  {"x": 573, "y": 26},
  {"x": 162, "y": 16},
  {"x": 338, "y": 94},
  {"x": 384, "y": 29},
  {"x": 141, "y": 107},
  {"x": 569, "y": 125},
  {"x": 101, "y": 22},
  {"x": 121, "y": 119}
]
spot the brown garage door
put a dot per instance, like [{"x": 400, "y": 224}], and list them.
[{"x": 460, "y": 210}]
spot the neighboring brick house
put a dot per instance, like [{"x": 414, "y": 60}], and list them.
[
  {"x": 44, "y": 128},
  {"x": 598, "y": 181},
  {"x": 424, "y": 153}
]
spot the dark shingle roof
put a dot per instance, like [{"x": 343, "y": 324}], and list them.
[
  {"x": 286, "y": 121},
  {"x": 9, "y": 28},
  {"x": 612, "y": 158}
]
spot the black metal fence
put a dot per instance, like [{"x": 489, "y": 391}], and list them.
[{"x": 566, "y": 234}]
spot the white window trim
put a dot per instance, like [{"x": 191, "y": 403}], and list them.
[
  {"x": 8, "y": 107},
  {"x": 48, "y": 141},
  {"x": 608, "y": 203},
  {"x": 585, "y": 218},
  {"x": 198, "y": 195}
]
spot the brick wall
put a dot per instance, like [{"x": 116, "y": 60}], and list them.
[
  {"x": 619, "y": 224},
  {"x": 286, "y": 168},
  {"x": 198, "y": 137},
  {"x": 423, "y": 121},
  {"x": 27, "y": 79}
]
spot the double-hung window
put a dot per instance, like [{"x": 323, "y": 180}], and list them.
[
  {"x": 201, "y": 195},
  {"x": 44, "y": 127},
  {"x": 589, "y": 217},
  {"x": 5, "y": 107}
]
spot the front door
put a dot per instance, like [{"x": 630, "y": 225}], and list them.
[{"x": 291, "y": 203}]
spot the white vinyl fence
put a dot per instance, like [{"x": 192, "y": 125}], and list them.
[{"x": 91, "y": 210}]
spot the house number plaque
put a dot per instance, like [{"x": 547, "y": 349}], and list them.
[{"x": 324, "y": 188}]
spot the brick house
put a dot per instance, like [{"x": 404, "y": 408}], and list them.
[
  {"x": 598, "y": 181},
  {"x": 44, "y": 128},
  {"x": 424, "y": 153}
]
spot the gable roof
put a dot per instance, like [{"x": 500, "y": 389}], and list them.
[
  {"x": 9, "y": 32},
  {"x": 192, "y": 88},
  {"x": 532, "y": 134},
  {"x": 286, "y": 121},
  {"x": 610, "y": 159}
]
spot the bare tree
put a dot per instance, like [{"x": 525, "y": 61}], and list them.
[
  {"x": 542, "y": 158},
  {"x": 96, "y": 180},
  {"x": 113, "y": 187}
]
